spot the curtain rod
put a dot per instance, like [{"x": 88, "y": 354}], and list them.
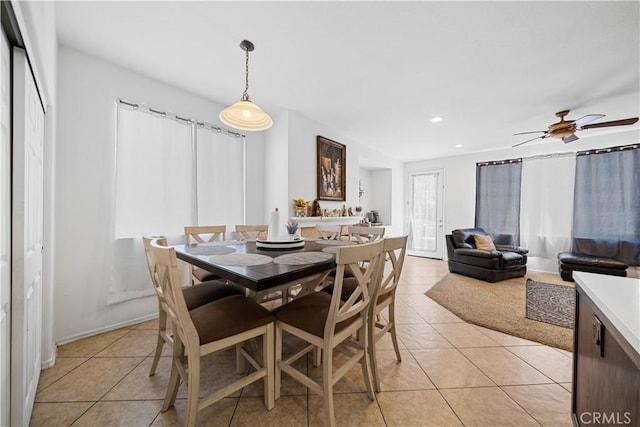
[
  {"x": 184, "y": 120},
  {"x": 498, "y": 162},
  {"x": 608, "y": 150},
  {"x": 549, "y": 156},
  {"x": 565, "y": 154}
]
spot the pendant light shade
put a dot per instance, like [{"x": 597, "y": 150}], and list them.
[{"x": 244, "y": 114}]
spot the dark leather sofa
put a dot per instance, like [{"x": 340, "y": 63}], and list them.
[
  {"x": 569, "y": 262},
  {"x": 505, "y": 262},
  {"x": 601, "y": 256}
]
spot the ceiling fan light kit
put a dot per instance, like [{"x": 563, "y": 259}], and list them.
[
  {"x": 244, "y": 114},
  {"x": 565, "y": 129}
]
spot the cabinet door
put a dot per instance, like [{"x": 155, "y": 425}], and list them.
[{"x": 606, "y": 381}]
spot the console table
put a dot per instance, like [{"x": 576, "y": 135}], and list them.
[
  {"x": 606, "y": 353},
  {"x": 309, "y": 222}
]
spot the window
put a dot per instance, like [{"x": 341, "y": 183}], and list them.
[
  {"x": 170, "y": 172},
  {"x": 161, "y": 186}
]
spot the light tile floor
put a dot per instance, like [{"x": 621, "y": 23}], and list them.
[{"x": 452, "y": 373}]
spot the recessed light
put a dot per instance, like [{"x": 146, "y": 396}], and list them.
[
  {"x": 459, "y": 146},
  {"x": 436, "y": 119}
]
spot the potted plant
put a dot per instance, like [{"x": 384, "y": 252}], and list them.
[
  {"x": 292, "y": 227},
  {"x": 300, "y": 207}
]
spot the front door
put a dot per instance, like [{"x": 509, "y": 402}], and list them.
[
  {"x": 27, "y": 225},
  {"x": 425, "y": 214}
]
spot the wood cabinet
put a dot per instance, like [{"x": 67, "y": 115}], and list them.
[{"x": 606, "y": 361}]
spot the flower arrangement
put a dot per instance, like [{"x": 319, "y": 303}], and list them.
[
  {"x": 292, "y": 226},
  {"x": 300, "y": 204}
]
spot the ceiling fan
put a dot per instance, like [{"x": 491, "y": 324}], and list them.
[{"x": 565, "y": 129}]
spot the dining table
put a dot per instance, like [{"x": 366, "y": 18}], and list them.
[{"x": 263, "y": 271}]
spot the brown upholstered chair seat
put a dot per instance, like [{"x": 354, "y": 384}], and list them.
[
  {"x": 296, "y": 313},
  {"x": 220, "y": 319},
  {"x": 348, "y": 286},
  {"x": 206, "y": 292},
  {"x": 203, "y": 275}
]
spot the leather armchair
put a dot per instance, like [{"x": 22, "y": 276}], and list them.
[{"x": 506, "y": 262}]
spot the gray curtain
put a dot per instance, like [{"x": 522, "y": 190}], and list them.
[
  {"x": 498, "y": 200},
  {"x": 606, "y": 210}
]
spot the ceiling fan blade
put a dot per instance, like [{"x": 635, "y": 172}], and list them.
[
  {"x": 570, "y": 138},
  {"x": 529, "y": 140},
  {"x": 623, "y": 122},
  {"x": 525, "y": 133},
  {"x": 586, "y": 119}
]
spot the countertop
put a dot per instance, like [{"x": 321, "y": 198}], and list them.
[{"x": 619, "y": 300}]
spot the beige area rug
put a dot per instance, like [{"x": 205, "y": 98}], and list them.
[{"x": 500, "y": 306}]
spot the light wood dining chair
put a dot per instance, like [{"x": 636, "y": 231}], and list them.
[
  {"x": 203, "y": 234},
  {"x": 384, "y": 296},
  {"x": 330, "y": 232},
  {"x": 210, "y": 328},
  {"x": 326, "y": 322},
  {"x": 361, "y": 234},
  {"x": 194, "y": 297},
  {"x": 250, "y": 232}
]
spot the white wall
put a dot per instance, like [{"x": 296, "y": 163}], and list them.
[
  {"x": 276, "y": 178},
  {"x": 460, "y": 177},
  {"x": 381, "y": 192},
  {"x": 365, "y": 182},
  {"x": 37, "y": 25},
  {"x": 87, "y": 91},
  {"x": 303, "y": 173}
]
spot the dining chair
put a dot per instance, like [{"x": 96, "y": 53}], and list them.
[
  {"x": 384, "y": 296},
  {"x": 360, "y": 234},
  {"x": 326, "y": 322},
  {"x": 194, "y": 296},
  {"x": 210, "y": 328},
  {"x": 203, "y": 234},
  {"x": 250, "y": 232},
  {"x": 330, "y": 232}
]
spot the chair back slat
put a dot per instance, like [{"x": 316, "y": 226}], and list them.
[
  {"x": 250, "y": 232},
  {"x": 198, "y": 233},
  {"x": 329, "y": 232},
  {"x": 148, "y": 254},
  {"x": 367, "y": 279},
  {"x": 395, "y": 249},
  {"x": 362, "y": 234},
  {"x": 166, "y": 270}
]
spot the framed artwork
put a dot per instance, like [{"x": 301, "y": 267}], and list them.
[{"x": 331, "y": 169}]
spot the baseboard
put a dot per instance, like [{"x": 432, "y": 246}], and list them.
[
  {"x": 108, "y": 328},
  {"x": 45, "y": 364}
]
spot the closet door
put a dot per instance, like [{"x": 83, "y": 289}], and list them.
[
  {"x": 27, "y": 225},
  {"x": 5, "y": 228}
]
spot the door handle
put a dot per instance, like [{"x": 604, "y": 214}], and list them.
[{"x": 597, "y": 334}]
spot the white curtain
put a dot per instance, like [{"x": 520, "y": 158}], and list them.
[
  {"x": 220, "y": 179},
  {"x": 546, "y": 205},
  {"x": 153, "y": 175},
  {"x": 155, "y": 194}
]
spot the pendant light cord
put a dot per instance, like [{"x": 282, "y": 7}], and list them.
[{"x": 245, "y": 95}]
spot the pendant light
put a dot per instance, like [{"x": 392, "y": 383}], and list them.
[{"x": 244, "y": 114}]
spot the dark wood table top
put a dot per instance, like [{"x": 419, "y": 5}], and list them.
[{"x": 265, "y": 273}]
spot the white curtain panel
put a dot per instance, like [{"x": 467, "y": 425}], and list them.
[
  {"x": 220, "y": 179},
  {"x": 155, "y": 194},
  {"x": 152, "y": 196},
  {"x": 546, "y": 205},
  {"x": 153, "y": 175}
]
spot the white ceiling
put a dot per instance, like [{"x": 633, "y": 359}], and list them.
[{"x": 379, "y": 71}]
